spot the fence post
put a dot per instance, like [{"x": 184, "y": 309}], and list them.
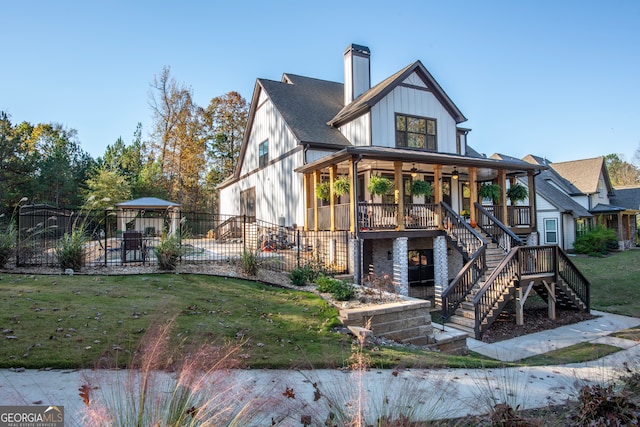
[
  {"x": 106, "y": 234},
  {"x": 298, "y": 246},
  {"x": 18, "y": 238}
]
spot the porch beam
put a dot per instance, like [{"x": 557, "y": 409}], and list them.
[
  {"x": 399, "y": 195},
  {"x": 333, "y": 174},
  {"x": 473, "y": 192}
]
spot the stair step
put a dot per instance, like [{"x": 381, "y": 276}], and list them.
[
  {"x": 469, "y": 331},
  {"x": 463, "y": 321}
]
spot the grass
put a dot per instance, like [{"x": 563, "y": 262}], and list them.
[
  {"x": 582, "y": 352},
  {"x": 614, "y": 281},
  {"x": 87, "y": 321}
]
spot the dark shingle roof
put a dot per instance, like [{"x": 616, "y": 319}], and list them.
[
  {"x": 558, "y": 198},
  {"x": 306, "y": 105},
  {"x": 627, "y": 197}
]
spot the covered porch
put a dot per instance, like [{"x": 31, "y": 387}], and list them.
[{"x": 453, "y": 179}]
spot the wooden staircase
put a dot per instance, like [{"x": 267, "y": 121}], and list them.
[{"x": 464, "y": 317}]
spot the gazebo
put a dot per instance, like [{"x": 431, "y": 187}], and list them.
[{"x": 141, "y": 220}]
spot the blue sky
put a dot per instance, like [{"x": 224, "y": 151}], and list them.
[{"x": 559, "y": 79}]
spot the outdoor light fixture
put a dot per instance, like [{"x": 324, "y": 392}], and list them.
[
  {"x": 414, "y": 171},
  {"x": 455, "y": 174}
]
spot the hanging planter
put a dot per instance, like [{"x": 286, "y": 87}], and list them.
[
  {"x": 516, "y": 193},
  {"x": 379, "y": 185},
  {"x": 490, "y": 191},
  {"x": 341, "y": 186},
  {"x": 421, "y": 188},
  {"x": 323, "y": 191}
]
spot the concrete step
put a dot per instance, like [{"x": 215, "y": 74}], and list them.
[
  {"x": 462, "y": 321},
  {"x": 469, "y": 331}
]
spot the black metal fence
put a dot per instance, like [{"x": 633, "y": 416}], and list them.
[{"x": 131, "y": 237}]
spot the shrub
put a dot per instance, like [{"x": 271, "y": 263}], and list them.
[
  {"x": 599, "y": 405},
  {"x": 299, "y": 276},
  {"x": 249, "y": 262},
  {"x": 340, "y": 290},
  {"x": 70, "y": 249},
  {"x": 7, "y": 243},
  {"x": 168, "y": 252},
  {"x": 596, "y": 242}
]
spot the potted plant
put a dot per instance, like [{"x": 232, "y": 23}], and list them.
[
  {"x": 421, "y": 188},
  {"x": 465, "y": 214},
  {"x": 323, "y": 191},
  {"x": 516, "y": 193},
  {"x": 341, "y": 186},
  {"x": 379, "y": 185},
  {"x": 490, "y": 191}
]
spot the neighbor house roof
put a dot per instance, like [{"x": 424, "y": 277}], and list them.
[
  {"x": 558, "y": 198},
  {"x": 627, "y": 197},
  {"x": 368, "y": 99},
  {"x": 583, "y": 174}
]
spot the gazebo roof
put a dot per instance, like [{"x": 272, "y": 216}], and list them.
[{"x": 147, "y": 203}]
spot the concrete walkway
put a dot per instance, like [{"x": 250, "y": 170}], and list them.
[{"x": 285, "y": 396}]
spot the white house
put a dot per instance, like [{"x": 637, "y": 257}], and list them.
[{"x": 305, "y": 133}]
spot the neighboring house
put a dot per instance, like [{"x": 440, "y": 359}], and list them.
[
  {"x": 304, "y": 133},
  {"x": 575, "y": 195},
  {"x": 628, "y": 197}
]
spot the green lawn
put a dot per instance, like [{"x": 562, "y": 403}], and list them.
[
  {"x": 615, "y": 281},
  {"x": 87, "y": 321},
  {"x": 84, "y": 321}
]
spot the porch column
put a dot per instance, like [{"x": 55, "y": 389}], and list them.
[
  {"x": 306, "y": 180},
  {"x": 440, "y": 268},
  {"x": 473, "y": 192},
  {"x": 437, "y": 193},
  {"x": 502, "y": 182},
  {"x": 353, "y": 208},
  {"x": 317, "y": 179},
  {"x": 333, "y": 174},
  {"x": 401, "y": 265},
  {"x": 532, "y": 200},
  {"x": 399, "y": 195}
]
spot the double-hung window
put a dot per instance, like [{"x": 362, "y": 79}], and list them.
[
  {"x": 416, "y": 132},
  {"x": 263, "y": 154},
  {"x": 551, "y": 231}
]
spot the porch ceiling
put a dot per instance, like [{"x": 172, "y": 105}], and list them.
[{"x": 383, "y": 158}]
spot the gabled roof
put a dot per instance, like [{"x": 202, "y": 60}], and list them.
[
  {"x": 552, "y": 176},
  {"x": 558, "y": 198},
  {"x": 306, "y": 105},
  {"x": 627, "y": 197},
  {"x": 368, "y": 99},
  {"x": 584, "y": 174}
]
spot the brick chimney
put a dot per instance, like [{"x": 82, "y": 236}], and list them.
[{"x": 357, "y": 72}]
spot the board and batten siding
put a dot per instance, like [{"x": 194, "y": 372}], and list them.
[
  {"x": 279, "y": 190},
  {"x": 358, "y": 131},
  {"x": 414, "y": 102}
]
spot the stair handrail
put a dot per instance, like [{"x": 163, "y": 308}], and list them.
[
  {"x": 468, "y": 239},
  {"x": 574, "y": 279},
  {"x": 460, "y": 232},
  {"x": 500, "y": 233},
  {"x": 493, "y": 289}
]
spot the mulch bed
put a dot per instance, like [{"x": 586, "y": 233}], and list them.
[{"x": 536, "y": 319}]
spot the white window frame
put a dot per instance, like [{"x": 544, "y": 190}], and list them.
[{"x": 548, "y": 230}]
